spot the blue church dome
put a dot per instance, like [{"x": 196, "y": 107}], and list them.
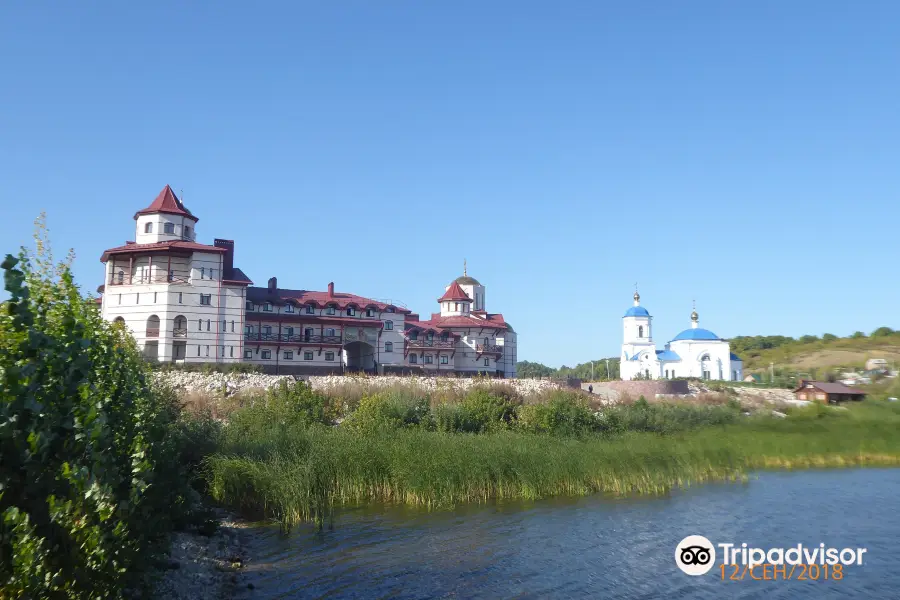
[
  {"x": 696, "y": 334},
  {"x": 637, "y": 311}
]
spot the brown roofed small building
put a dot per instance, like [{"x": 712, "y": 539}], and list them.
[{"x": 829, "y": 393}]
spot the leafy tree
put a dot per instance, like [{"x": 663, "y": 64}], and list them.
[
  {"x": 882, "y": 332},
  {"x": 529, "y": 369},
  {"x": 90, "y": 484},
  {"x": 829, "y": 337},
  {"x": 858, "y": 334},
  {"x": 808, "y": 339}
]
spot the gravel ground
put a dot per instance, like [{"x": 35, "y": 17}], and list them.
[{"x": 205, "y": 567}]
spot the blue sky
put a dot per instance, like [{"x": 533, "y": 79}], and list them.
[{"x": 743, "y": 154}]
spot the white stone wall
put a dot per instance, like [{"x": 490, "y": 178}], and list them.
[{"x": 184, "y": 228}]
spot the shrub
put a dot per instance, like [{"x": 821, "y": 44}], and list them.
[
  {"x": 488, "y": 411},
  {"x": 452, "y": 417},
  {"x": 388, "y": 410},
  {"x": 564, "y": 413},
  {"x": 90, "y": 478},
  {"x": 667, "y": 417}
]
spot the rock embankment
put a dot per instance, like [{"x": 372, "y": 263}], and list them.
[{"x": 231, "y": 383}]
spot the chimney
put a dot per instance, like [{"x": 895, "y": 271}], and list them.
[
  {"x": 273, "y": 284},
  {"x": 228, "y": 259},
  {"x": 331, "y": 290}
]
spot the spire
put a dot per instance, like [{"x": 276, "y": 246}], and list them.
[
  {"x": 455, "y": 292},
  {"x": 464, "y": 269},
  {"x": 695, "y": 318}
]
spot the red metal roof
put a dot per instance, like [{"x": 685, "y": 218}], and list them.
[
  {"x": 454, "y": 292},
  {"x": 166, "y": 202},
  {"x": 438, "y": 323},
  {"x": 339, "y": 299},
  {"x": 132, "y": 248}
]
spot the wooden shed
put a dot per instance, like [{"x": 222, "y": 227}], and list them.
[{"x": 830, "y": 393}]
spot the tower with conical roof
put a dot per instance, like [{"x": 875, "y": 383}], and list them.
[{"x": 167, "y": 219}]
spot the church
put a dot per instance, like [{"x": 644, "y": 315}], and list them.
[{"x": 695, "y": 352}]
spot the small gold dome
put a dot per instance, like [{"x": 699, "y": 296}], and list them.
[
  {"x": 637, "y": 297},
  {"x": 695, "y": 316}
]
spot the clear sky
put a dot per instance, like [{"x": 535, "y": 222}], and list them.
[{"x": 743, "y": 154}]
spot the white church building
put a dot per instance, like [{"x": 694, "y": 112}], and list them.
[
  {"x": 693, "y": 353},
  {"x": 186, "y": 302}
]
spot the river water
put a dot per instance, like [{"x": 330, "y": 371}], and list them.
[{"x": 591, "y": 547}]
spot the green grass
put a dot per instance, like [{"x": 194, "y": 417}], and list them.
[{"x": 297, "y": 474}]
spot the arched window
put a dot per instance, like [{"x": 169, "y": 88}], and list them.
[
  {"x": 641, "y": 331},
  {"x": 389, "y": 346},
  {"x": 148, "y": 228},
  {"x": 152, "y": 326},
  {"x": 121, "y": 277},
  {"x": 389, "y": 325},
  {"x": 704, "y": 357},
  {"x": 180, "y": 329},
  {"x": 169, "y": 228}
]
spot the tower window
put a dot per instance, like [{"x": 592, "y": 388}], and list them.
[
  {"x": 187, "y": 232},
  {"x": 148, "y": 228},
  {"x": 169, "y": 228},
  {"x": 641, "y": 331}
]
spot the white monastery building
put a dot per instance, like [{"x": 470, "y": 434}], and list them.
[
  {"x": 695, "y": 352},
  {"x": 186, "y": 302}
]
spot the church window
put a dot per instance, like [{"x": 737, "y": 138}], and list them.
[
  {"x": 641, "y": 331},
  {"x": 148, "y": 228},
  {"x": 667, "y": 373},
  {"x": 647, "y": 373},
  {"x": 168, "y": 227}
]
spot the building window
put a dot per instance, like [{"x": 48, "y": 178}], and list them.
[
  {"x": 706, "y": 375},
  {"x": 121, "y": 277},
  {"x": 232, "y": 327},
  {"x": 734, "y": 375},
  {"x": 288, "y": 355},
  {"x": 329, "y": 356},
  {"x": 389, "y": 325},
  {"x": 249, "y": 305},
  {"x": 310, "y": 309},
  {"x": 154, "y": 297},
  {"x": 389, "y": 346},
  {"x": 329, "y": 310},
  {"x": 224, "y": 326},
  {"x": 222, "y": 353},
  {"x": 187, "y": 232},
  {"x": 413, "y": 359},
  {"x": 231, "y": 351},
  {"x": 148, "y": 228},
  {"x": 641, "y": 331},
  {"x": 413, "y": 335},
  {"x": 647, "y": 373},
  {"x": 289, "y": 331},
  {"x": 212, "y": 273},
  {"x": 120, "y": 298},
  {"x": 207, "y": 351},
  {"x": 199, "y": 324},
  {"x": 266, "y": 354},
  {"x": 444, "y": 359},
  {"x": 267, "y": 330},
  {"x": 288, "y": 308},
  {"x": 329, "y": 331},
  {"x": 179, "y": 297},
  {"x": 428, "y": 359},
  {"x": 351, "y": 312},
  {"x": 487, "y": 362},
  {"x": 370, "y": 312},
  {"x": 202, "y": 272},
  {"x": 137, "y": 298},
  {"x": 389, "y": 309},
  {"x": 198, "y": 350},
  {"x": 248, "y": 354},
  {"x": 456, "y": 308},
  {"x": 308, "y": 355},
  {"x": 168, "y": 227},
  {"x": 267, "y": 307},
  {"x": 207, "y": 324},
  {"x": 205, "y": 299},
  {"x": 667, "y": 373}
]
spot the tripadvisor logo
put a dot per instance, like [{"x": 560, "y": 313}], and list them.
[{"x": 695, "y": 555}]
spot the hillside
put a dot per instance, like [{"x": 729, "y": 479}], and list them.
[
  {"x": 790, "y": 355},
  {"x": 810, "y": 352}
]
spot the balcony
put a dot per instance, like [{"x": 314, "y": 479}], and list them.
[
  {"x": 147, "y": 279},
  {"x": 285, "y": 338},
  {"x": 152, "y": 332},
  {"x": 426, "y": 343},
  {"x": 488, "y": 349},
  {"x": 179, "y": 332}
]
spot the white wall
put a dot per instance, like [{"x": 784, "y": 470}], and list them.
[{"x": 185, "y": 228}]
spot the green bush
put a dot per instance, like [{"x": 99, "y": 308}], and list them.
[
  {"x": 489, "y": 411},
  {"x": 389, "y": 410},
  {"x": 564, "y": 413},
  {"x": 668, "y": 417},
  {"x": 90, "y": 484},
  {"x": 452, "y": 417}
]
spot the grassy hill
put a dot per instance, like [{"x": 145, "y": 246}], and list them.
[
  {"x": 810, "y": 352},
  {"x": 807, "y": 354}
]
